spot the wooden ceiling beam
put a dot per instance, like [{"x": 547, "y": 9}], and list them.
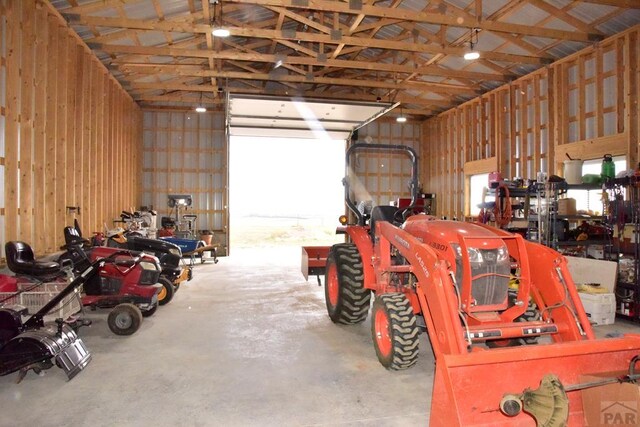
[
  {"x": 285, "y": 36},
  {"x": 331, "y": 95},
  {"x": 627, "y": 4},
  {"x": 98, "y": 5},
  {"x": 426, "y": 17},
  {"x": 564, "y": 16},
  {"x": 447, "y": 89},
  {"x": 128, "y": 33},
  {"x": 179, "y": 98},
  {"x": 301, "y": 19},
  {"x": 298, "y": 60}
]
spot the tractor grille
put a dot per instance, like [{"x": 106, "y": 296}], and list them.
[{"x": 492, "y": 289}]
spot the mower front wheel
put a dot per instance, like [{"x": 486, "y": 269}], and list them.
[
  {"x": 395, "y": 331},
  {"x": 166, "y": 292},
  {"x": 125, "y": 319}
]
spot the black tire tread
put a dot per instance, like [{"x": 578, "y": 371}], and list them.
[
  {"x": 168, "y": 286},
  {"x": 530, "y": 314},
  {"x": 405, "y": 332},
  {"x": 354, "y": 299}
]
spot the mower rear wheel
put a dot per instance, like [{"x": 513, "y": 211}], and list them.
[
  {"x": 346, "y": 298},
  {"x": 395, "y": 331},
  {"x": 125, "y": 319},
  {"x": 166, "y": 292}
]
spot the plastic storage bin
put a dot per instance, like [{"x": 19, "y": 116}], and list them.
[{"x": 600, "y": 308}]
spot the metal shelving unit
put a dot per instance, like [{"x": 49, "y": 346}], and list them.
[{"x": 626, "y": 213}]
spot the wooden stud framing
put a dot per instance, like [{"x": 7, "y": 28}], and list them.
[
  {"x": 523, "y": 113},
  {"x": 56, "y": 118}
]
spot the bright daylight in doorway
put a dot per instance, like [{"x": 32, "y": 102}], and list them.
[{"x": 284, "y": 191}]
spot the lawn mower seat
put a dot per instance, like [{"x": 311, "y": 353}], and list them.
[
  {"x": 20, "y": 260},
  {"x": 381, "y": 213},
  {"x": 73, "y": 237}
]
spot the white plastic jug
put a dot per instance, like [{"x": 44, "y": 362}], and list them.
[{"x": 573, "y": 171}]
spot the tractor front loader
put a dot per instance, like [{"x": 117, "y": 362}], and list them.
[{"x": 510, "y": 336}]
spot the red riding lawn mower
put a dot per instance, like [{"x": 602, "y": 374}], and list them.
[{"x": 485, "y": 298}]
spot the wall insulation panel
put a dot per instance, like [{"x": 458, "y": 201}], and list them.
[
  {"x": 69, "y": 134},
  {"x": 186, "y": 153},
  {"x": 584, "y": 106},
  {"x": 384, "y": 177}
]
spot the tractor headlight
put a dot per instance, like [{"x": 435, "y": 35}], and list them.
[
  {"x": 475, "y": 255},
  {"x": 148, "y": 266},
  {"x": 502, "y": 254},
  {"x": 176, "y": 251}
]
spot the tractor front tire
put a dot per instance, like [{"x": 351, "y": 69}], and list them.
[
  {"x": 395, "y": 331},
  {"x": 166, "y": 293},
  {"x": 125, "y": 319},
  {"x": 345, "y": 295}
]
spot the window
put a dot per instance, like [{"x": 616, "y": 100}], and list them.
[
  {"x": 477, "y": 187},
  {"x": 592, "y": 200}
]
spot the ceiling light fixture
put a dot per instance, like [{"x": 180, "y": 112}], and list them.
[
  {"x": 401, "y": 118},
  {"x": 218, "y": 30},
  {"x": 472, "y": 54},
  {"x": 200, "y": 108}
]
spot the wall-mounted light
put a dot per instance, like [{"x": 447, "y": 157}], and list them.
[
  {"x": 201, "y": 109},
  {"x": 472, "y": 53}
]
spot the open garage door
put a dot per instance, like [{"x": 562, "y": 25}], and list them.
[{"x": 291, "y": 117}]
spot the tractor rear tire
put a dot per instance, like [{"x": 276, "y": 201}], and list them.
[
  {"x": 345, "y": 295},
  {"x": 166, "y": 293},
  {"x": 124, "y": 319},
  {"x": 395, "y": 332}
]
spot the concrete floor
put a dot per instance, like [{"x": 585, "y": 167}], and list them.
[{"x": 246, "y": 343}]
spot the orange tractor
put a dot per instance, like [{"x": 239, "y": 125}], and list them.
[{"x": 511, "y": 339}]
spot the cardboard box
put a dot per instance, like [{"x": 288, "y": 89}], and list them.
[
  {"x": 586, "y": 270},
  {"x": 567, "y": 206},
  {"x": 612, "y": 404}
]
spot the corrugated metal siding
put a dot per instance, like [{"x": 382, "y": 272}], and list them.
[{"x": 186, "y": 153}]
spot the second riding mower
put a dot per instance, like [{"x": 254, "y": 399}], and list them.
[
  {"x": 131, "y": 291},
  {"x": 452, "y": 279},
  {"x": 174, "y": 268}
]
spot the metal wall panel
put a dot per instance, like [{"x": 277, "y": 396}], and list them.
[{"x": 186, "y": 153}]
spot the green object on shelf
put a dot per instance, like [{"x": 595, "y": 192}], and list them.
[
  {"x": 608, "y": 167},
  {"x": 591, "y": 178}
]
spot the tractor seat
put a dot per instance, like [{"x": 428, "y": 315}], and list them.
[
  {"x": 20, "y": 260},
  {"x": 381, "y": 213}
]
